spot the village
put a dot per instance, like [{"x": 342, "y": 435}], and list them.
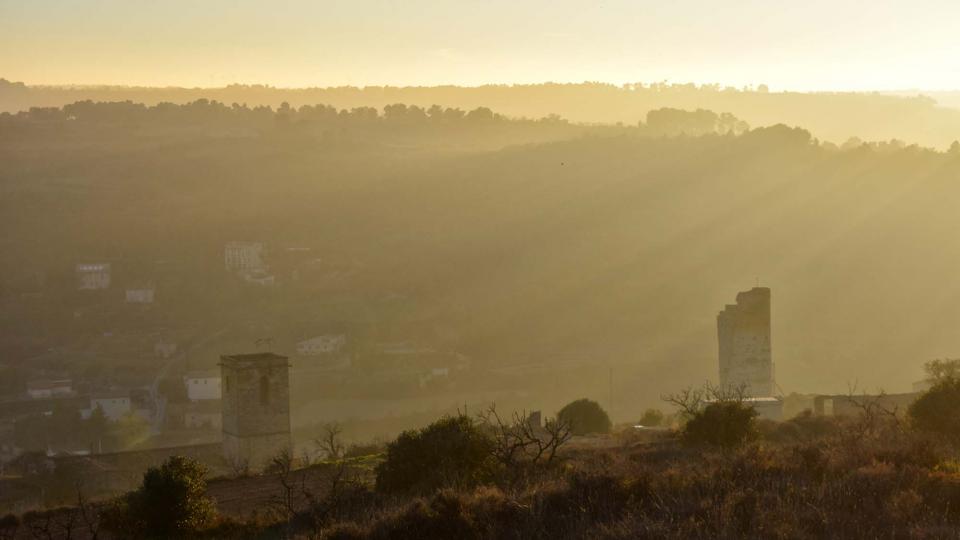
[
  {"x": 479, "y": 270},
  {"x": 130, "y": 378},
  {"x": 233, "y": 412}
]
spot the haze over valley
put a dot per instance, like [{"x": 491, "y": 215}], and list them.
[{"x": 479, "y": 270}]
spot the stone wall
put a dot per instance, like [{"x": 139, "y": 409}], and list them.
[
  {"x": 743, "y": 332},
  {"x": 256, "y": 408}
]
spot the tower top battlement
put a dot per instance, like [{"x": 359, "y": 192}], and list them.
[{"x": 252, "y": 360}]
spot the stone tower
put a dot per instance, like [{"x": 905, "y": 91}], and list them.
[
  {"x": 256, "y": 408},
  {"x": 743, "y": 331}
]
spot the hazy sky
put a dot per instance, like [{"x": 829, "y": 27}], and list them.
[{"x": 795, "y": 44}]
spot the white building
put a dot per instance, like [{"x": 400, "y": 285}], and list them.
[
  {"x": 434, "y": 374},
  {"x": 114, "y": 406},
  {"x": 244, "y": 257},
  {"x": 202, "y": 385},
  {"x": 93, "y": 276},
  {"x": 140, "y": 295},
  {"x": 769, "y": 408},
  {"x": 46, "y": 388},
  {"x": 326, "y": 344}
]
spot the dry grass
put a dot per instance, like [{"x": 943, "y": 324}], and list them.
[
  {"x": 804, "y": 479},
  {"x": 808, "y": 478}
]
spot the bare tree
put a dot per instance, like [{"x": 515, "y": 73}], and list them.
[
  {"x": 89, "y": 515},
  {"x": 39, "y": 525},
  {"x": 874, "y": 416},
  {"x": 326, "y": 508},
  {"x": 56, "y": 523},
  {"x": 330, "y": 441},
  {"x": 518, "y": 441},
  {"x": 558, "y": 433},
  {"x": 239, "y": 467},
  {"x": 691, "y": 400},
  {"x": 509, "y": 442},
  {"x": 288, "y": 501}
]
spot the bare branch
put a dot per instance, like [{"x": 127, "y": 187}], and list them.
[
  {"x": 520, "y": 443},
  {"x": 330, "y": 441}
]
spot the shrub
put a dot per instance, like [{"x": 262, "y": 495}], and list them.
[
  {"x": 452, "y": 451},
  {"x": 585, "y": 416},
  {"x": 228, "y": 528},
  {"x": 446, "y": 515},
  {"x": 8, "y": 526},
  {"x": 804, "y": 427},
  {"x": 938, "y": 409},
  {"x": 497, "y": 515},
  {"x": 170, "y": 503},
  {"x": 345, "y": 531},
  {"x": 651, "y": 418},
  {"x": 726, "y": 424}
]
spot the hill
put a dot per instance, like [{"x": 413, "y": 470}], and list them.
[
  {"x": 591, "y": 247},
  {"x": 831, "y": 116}
]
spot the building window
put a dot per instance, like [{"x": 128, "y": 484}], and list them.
[
  {"x": 264, "y": 390},
  {"x": 226, "y": 383}
]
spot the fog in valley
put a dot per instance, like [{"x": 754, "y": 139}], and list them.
[
  {"x": 544, "y": 253},
  {"x": 324, "y": 293}
]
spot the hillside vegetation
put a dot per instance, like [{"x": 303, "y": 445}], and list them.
[
  {"x": 511, "y": 241},
  {"x": 879, "y": 473}
]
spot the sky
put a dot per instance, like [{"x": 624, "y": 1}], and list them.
[{"x": 786, "y": 44}]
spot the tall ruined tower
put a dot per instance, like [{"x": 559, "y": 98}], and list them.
[
  {"x": 743, "y": 331},
  {"x": 256, "y": 408}
]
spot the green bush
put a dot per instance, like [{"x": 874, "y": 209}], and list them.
[
  {"x": 585, "y": 416},
  {"x": 451, "y": 452},
  {"x": 726, "y": 424},
  {"x": 171, "y": 503},
  {"x": 938, "y": 409}
]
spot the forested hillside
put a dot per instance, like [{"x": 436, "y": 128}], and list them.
[{"x": 512, "y": 241}]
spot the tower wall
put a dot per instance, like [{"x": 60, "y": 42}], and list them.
[
  {"x": 256, "y": 408},
  {"x": 745, "y": 349}
]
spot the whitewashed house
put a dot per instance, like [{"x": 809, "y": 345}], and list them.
[
  {"x": 47, "y": 388},
  {"x": 202, "y": 385},
  {"x": 93, "y": 276},
  {"x": 434, "y": 374},
  {"x": 141, "y": 294},
  {"x": 114, "y": 406},
  {"x": 244, "y": 257}
]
